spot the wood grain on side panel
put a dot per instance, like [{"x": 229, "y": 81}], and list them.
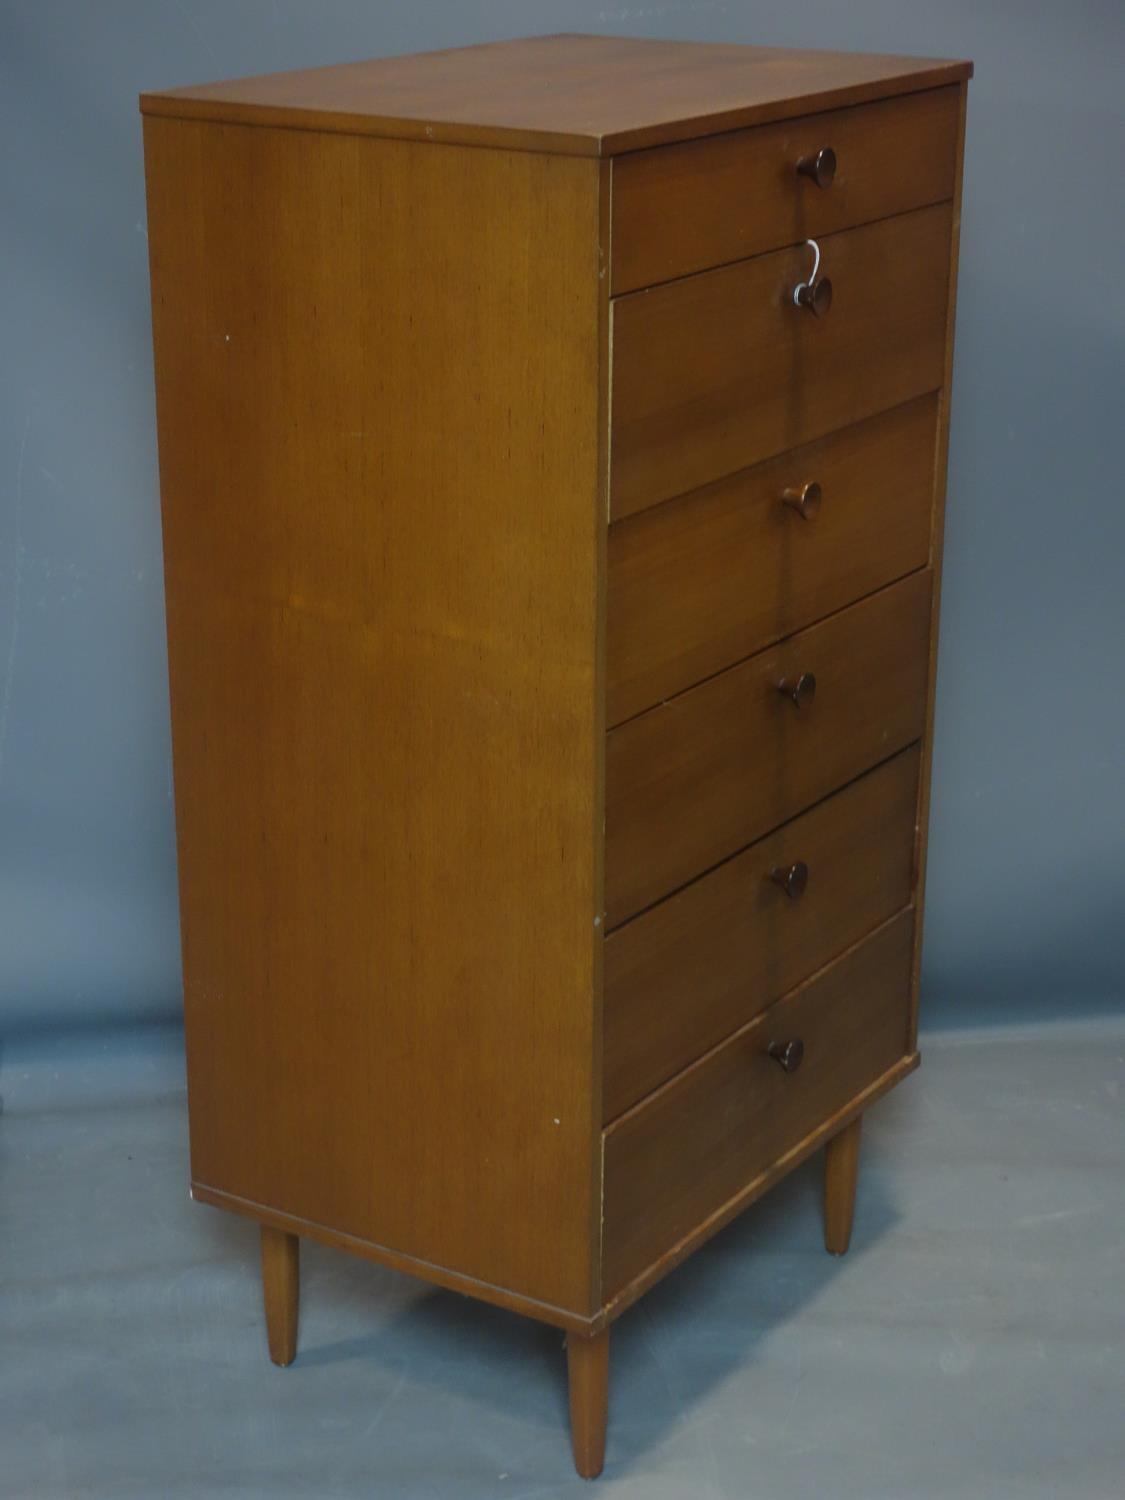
[{"x": 382, "y": 505}]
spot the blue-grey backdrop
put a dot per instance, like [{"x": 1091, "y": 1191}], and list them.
[{"x": 1027, "y": 884}]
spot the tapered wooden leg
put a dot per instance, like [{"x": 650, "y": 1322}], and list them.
[
  {"x": 280, "y": 1284},
  {"x": 841, "y": 1167},
  {"x": 588, "y": 1368}
]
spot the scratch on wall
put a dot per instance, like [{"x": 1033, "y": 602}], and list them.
[{"x": 17, "y": 592}]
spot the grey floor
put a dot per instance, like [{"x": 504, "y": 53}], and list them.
[{"x": 972, "y": 1344}]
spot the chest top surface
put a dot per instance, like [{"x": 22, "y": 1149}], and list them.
[{"x": 572, "y": 94}]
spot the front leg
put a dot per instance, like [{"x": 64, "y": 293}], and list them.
[
  {"x": 587, "y": 1360},
  {"x": 280, "y": 1285}
]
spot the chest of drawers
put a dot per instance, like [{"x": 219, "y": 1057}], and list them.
[{"x": 552, "y": 565}]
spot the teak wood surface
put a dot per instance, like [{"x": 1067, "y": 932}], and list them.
[
  {"x": 588, "y": 1380},
  {"x": 480, "y": 587},
  {"x": 755, "y": 1187},
  {"x": 688, "y": 1148},
  {"x": 382, "y": 518},
  {"x": 281, "y": 1269},
  {"x": 699, "y": 583},
  {"x": 691, "y": 402},
  {"x": 692, "y": 781},
  {"x": 679, "y": 209},
  {"x": 694, "y": 968},
  {"x": 569, "y": 93}
]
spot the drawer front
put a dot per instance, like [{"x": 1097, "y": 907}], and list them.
[
  {"x": 676, "y": 1160},
  {"x": 695, "y": 968},
  {"x": 721, "y": 370},
  {"x": 685, "y": 208},
  {"x": 694, "y": 780},
  {"x": 706, "y": 580}
]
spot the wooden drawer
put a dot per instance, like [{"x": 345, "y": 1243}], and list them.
[
  {"x": 696, "y": 779},
  {"x": 705, "y": 580},
  {"x": 721, "y": 370},
  {"x": 684, "y": 208},
  {"x": 689, "y": 972},
  {"x": 680, "y": 1157}
]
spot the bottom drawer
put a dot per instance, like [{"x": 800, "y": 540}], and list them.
[{"x": 674, "y": 1161}]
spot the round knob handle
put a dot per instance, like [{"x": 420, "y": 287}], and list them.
[
  {"x": 792, "y": 878},
  {"x": 814, "y": 296},
  {"x": 800, "y": 690},
  {"x": 820, "y": 168},
  {"x": 788, "y": 1054},
  {"x": 805, "y": 500}
]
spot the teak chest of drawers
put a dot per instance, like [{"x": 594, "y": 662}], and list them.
[{"x": 552, "y": 451}]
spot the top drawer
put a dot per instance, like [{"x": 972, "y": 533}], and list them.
[{"x": 678, "y": 209}]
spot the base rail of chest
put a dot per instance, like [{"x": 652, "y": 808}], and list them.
[
  {"x": 397, "y": 1260},
  {"x": 543, "y": 1312}
]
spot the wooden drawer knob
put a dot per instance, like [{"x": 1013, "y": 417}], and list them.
[
  {"x": 799, "y": 690},
  {"x": 791, "y": 878},
  {"x": 804, "y": 500},
  {"x": 820, "y": 168},
  {"x": 789, "y": 1055}
]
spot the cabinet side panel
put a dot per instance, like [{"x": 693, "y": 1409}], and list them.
[{"x": 377, "y": 390}]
